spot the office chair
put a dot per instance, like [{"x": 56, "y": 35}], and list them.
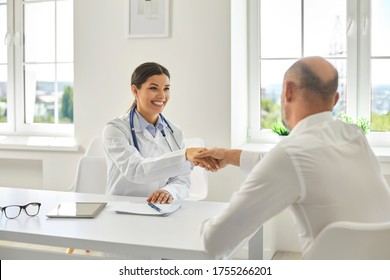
[
  {"x": 352, "y": 241},
  {"x": 91, "y": 174}
]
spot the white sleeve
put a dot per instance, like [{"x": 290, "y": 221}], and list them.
[
  {"x": 179, "y": 186},
  {"x": 270, "y": 187},
  {"x": 133, "y": 166},
  {"x": 248, "y": 160}
]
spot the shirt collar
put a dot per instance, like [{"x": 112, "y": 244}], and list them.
[
  {"x": 311, "y": 121},
  {"x": 148, "y": 126}
]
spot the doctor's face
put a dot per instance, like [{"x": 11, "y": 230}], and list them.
[{"x": 152, "y": 96}]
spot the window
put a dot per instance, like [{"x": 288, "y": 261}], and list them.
[
  {"x": 350, "y": 34},
  {"x": 36, "y": 67}
]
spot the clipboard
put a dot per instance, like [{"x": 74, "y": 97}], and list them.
[
  {"x": 147, "y": 210},
  {"x": 77, "y": 210}
]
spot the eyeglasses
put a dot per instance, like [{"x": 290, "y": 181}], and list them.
[{"x": 13, "y": 211}]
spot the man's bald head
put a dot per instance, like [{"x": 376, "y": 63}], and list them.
[
  {"x": 315, "y": 76},
  {"x": 309, "y": 87}
]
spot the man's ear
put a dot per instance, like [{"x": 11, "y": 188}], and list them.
[
  {"x": 336, "y": 98},
  {"x": 289, "y": 91}
]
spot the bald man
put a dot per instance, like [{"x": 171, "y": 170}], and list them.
[{"x": 324, "y": 171}]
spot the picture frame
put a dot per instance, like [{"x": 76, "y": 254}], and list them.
[{"x": 148, "y": 18}]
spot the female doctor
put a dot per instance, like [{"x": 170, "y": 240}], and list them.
[{"x": 145, "y": 153}]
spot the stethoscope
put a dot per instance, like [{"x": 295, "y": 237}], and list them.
[{"x": 135, "y": 142}]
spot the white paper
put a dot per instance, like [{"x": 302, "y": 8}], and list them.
[{"x": 145, "y": 209}]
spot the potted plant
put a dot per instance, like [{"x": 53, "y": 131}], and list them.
[
  {"x": 361, "y": 122},
  {"x": 280, "y": 129}
]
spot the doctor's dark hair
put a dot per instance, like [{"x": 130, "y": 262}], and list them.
[{"x": 144, "y": 71}]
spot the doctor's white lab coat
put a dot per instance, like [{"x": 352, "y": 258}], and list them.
[{"x": 134, "y": 173}]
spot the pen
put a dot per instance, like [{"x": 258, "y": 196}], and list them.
[{"x": 155, "y": 207}]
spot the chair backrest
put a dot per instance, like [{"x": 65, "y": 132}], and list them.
[
  {"x": 95, "y": 147},
  {"x": 92, "y": 171},
  {"x": 199, "y": 185},
  {"x": 352, "y": 241}
]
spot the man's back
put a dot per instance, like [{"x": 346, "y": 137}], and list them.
[
  {"x": 324, "y": 171},
  {"x": 340, "y": 177}
]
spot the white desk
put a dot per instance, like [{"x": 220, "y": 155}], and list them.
[{"x": 144, "y": 237}]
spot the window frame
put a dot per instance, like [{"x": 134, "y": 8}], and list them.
[
  {"x": 10, "y": 124},
  {"x": 358, "y": 57},
  {"x": 16, "y": 103}
]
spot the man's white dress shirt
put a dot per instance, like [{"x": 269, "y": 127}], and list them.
[
  {"x": 324, "y": 171},
  {"x": 155, "y": 166}
]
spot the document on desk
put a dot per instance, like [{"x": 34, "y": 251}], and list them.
[{"x": 147, "y": 209}]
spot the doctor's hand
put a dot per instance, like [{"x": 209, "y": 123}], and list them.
[
  {"x": 223, "y": 156},
  {"x": 208, "y": 163},
  {"x": 160, "y": 196}
]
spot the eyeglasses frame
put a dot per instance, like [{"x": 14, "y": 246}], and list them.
[{"x": 2, "y": 209}]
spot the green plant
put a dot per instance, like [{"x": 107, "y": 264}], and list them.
[
  {"x": 345, "y": 118},
  {"x": 280, "y": 129},
  {"x": 364, "y": 124},
  {"x": 361, "y": 122}
]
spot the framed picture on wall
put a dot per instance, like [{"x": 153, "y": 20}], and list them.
[{"x": 148, "y": 18}]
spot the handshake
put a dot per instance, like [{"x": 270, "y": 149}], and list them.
[{"x": 213, "y": 159}]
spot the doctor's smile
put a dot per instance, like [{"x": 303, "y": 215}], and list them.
[{"x": 158, "y": 103}]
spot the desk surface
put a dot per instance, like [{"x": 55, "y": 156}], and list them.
[{"x": 144, "y": 237}]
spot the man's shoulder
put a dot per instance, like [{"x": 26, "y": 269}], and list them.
[{"x": 335, "y": 132}]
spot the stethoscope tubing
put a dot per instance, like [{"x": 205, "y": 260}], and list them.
[{"x": 134, "y": 137}]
